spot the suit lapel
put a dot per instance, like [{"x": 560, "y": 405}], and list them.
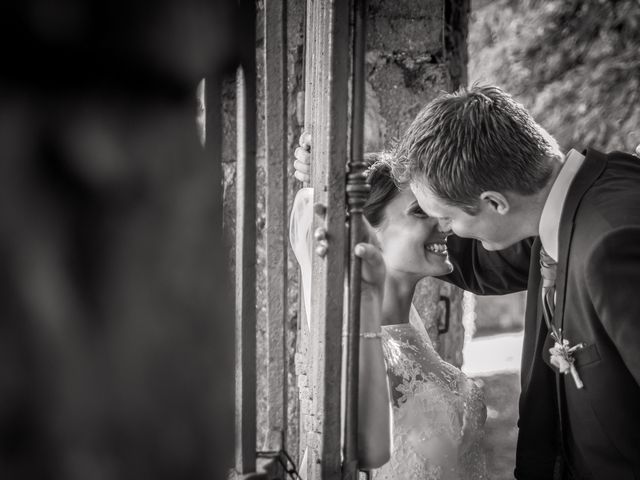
[{"x": 592, "y": 168}]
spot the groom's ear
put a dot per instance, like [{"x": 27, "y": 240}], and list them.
[{"x": 495, "y": 201}]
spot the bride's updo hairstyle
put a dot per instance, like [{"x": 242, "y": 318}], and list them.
[{"x": 383, "y": 187}]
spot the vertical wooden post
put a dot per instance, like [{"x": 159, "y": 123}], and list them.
[
  {"x": 357, "y": 191},
  {"x": 276, "y": 210},
  {"x": 245, "y": 299},
  {"x": 326, "y": 117},
  {"x": 303, "y": 362}
]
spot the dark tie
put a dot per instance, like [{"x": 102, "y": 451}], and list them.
[
  {"x": 548, "y": 272},
  {"x": 562, "y": 348}
]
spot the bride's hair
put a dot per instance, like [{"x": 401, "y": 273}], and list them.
[{"x": 383, "y": 187}]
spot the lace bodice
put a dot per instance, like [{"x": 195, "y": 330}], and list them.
[{"x": 438, "y": 412}]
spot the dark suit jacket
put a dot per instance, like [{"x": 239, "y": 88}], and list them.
[{"x": 598, "y": 303}]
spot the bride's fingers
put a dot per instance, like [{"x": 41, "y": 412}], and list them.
[
  {"x": 305, "y": 141},
  {"x": 302, "y": 155},
  {"x": 322, "y": 247},
  {"x": 367, "y": 252},
  {"x": 302, "y": 167},
  {"x": 302, "y": 177},
  {"x": 372, "y": 261},
  {"x": 320, "y": 233}
]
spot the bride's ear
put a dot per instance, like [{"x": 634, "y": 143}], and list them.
[{"x": 495, "y": 201}]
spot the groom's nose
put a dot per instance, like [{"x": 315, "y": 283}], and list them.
[{"x": 444, "y": 225}]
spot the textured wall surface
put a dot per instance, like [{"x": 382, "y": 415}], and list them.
[
  {"x": 415, "y": 53},
  {"x": 295, "y": 114}
]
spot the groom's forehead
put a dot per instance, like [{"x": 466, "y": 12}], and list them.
[
  {"x": 427, "y": 200},
  {"x": 422, "y": 191}
]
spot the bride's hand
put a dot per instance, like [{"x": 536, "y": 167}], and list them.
[
  {"x": 372, "y": 292},
  {"x": 373, "y": 268},
  {"x": 302, "y": 163}
]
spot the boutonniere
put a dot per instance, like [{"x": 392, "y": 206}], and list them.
[{"x": 562, "y": 356}]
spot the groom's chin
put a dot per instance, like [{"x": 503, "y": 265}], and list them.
[{"x": 492, "y": 246}]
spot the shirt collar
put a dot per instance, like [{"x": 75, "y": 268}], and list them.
[{"x": 552, "y": 211}]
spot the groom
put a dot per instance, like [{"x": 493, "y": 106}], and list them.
[{"x": 497, "y": 180}]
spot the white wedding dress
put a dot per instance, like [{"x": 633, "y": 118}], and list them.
[{"x": 438, "y": 412}]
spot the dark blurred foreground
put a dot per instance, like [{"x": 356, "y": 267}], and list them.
[{"x": 116, "y": 342}]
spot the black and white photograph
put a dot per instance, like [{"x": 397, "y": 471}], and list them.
[{"x": 320, "y": 240}]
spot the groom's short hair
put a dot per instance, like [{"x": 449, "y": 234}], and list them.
[{"x": 475, "y": 140}]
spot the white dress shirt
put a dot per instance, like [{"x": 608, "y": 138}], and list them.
[{"x": 552, "y": 211}]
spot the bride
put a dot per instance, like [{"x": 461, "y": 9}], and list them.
[{"x": 438, "y": 413}]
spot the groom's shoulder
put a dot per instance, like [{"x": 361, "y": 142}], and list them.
[
  {"x": 618, "y": 183},
  {"x": 612, "y": 163},
  {"x": 617, "y": 159},
  {"x": 613, "y": 199}
]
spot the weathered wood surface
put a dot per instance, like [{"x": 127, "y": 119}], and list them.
[
  {"x": 275, "y": 110},
  {"x": 326, "y": 119},
  {"x": 245, "y": 269}
]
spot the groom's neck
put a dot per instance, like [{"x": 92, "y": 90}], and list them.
[
  {"x": 542, "y": 196},
  {"x": 529, "y": 207}
]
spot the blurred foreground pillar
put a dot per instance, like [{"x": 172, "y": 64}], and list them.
[{"x": 116, "y": 340}]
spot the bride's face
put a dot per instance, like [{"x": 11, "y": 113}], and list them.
[{"x": 411, "y": 242}]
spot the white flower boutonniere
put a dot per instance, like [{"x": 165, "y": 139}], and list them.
[{"x": 562, "y": 357}]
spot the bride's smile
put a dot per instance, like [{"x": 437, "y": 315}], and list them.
[{"x": 411, "y": 241}]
